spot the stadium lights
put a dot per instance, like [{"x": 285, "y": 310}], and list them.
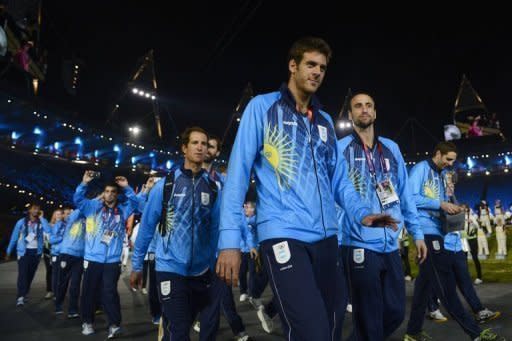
[
  {"x": 142, "y": 93},
  {"x": 134, "y": 130},
  {"x": 342, "y": 124}
]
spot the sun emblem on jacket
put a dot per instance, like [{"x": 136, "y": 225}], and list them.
[
  {"x": 91, "y": 227},
  {"x": 279, "y": 151},
  {"x": 76, "y": 230},
  {"x": 431, "y": 189}
]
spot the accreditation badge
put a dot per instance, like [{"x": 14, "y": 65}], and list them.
[
  {"x": 387, "y": 194},
  {"x": 107, "y": 237}
]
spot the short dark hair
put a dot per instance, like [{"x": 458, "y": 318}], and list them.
[
  {"x": 357, "y": 93},
  {"x": 309, "y": 44},
  {"x": 445, "y": 147},
  {"x": 216, "y": 138},
  {"x": 185, "y": 136},
  {"x": 112, "y": 184},
  {"x": 33, "y": 203}
]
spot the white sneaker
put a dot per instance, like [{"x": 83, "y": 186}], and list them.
[
  {"x": 48, "y": 295},
  {"x": 349, "y": 308},
  {"x": 20, "y": 301},
  {"x": 197, "y": 327},
  {"x": 478, "y": 281},
  {"x": 256, "y": 302},
  {"x": 408, "y": 278},
  {"x": 487, "y": 315},
  {"x": 113, "y": 331},
  {"x": 266, "y": 322},
  {"x": 144, "y": 291},
  {"x": 87, "y": 329},
  {"x": 242, "y": 336},
  {"x": 437, "y": 316},
  {"x": 244, "y": 297}
]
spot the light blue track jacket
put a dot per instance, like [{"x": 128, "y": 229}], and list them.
[
  {"x": 296, "y": 171},
  {"x": 189, "y": 242},
  {"x": 429, "y": 190},
  {"x": 73, "y": 242},
  {"x": 22, "y": 229},
  {"x": 389, "y": 164},
  {"x": 100, "y": 219}
]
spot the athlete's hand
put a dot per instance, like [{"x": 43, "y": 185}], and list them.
[
  {"x": 450, "y": 208},
  {"x": 385, "y": 220},
  {"x": 228, "y": 266},
  {"x": 136, "y": 280},
  {"x": 121, "y": 181},
  {"x": 421, "y": 250},
  {"x": 254, "y": 253}
]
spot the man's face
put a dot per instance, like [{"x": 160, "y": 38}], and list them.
[
  {"x": 67, "y": 212},
  {"x": 213, "y": 151},
  {"x": 445, "y": 160},
  {"x": 58, "y": 215},
  {"x": 362, "y": 111},
  {"x": 195, "y": 150},
  {"x": 34, "y": 210},
  {"x": 309, "y": 73},
  {"x": 110, "y": 195}
]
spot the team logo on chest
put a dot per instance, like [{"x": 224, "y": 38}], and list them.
[
  {"x": 322, "y": 131},
  {"x": 205, "y": 198}
]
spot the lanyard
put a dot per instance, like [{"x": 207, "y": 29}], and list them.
[
  {"x": 369, "y": 160},
  {"x": 108, "y": 218},
  {"x": 32, "y": 226}
]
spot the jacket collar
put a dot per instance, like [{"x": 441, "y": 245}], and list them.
[
  {"x": 433, "y": 166},
  {"x": 287, "y": 96},
  {"x": 358, "y": 140},
  {"x": 189, "y": 174}
]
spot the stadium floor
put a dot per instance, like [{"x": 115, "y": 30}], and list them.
[{"x": 36, "y": 321}]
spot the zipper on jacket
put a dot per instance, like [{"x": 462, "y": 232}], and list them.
[
  {"x": 310, "y": 140},
  {"x": 192, "y": 220}
]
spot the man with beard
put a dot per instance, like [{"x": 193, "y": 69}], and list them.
[
  {"x": 104, "y": 235},
  {"x": 433, "y": 197},
  {"x": 372, "y": 259}
]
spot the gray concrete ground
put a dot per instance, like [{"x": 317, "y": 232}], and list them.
[{"x": 36, "y": 321}]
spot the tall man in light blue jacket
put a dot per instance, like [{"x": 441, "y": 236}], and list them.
[{"x": 290, "y": 145}]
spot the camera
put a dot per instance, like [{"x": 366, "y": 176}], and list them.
[{"x": 94, "y": 174}]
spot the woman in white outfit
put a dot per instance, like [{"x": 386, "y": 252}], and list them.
[{"x": 485, "y": 217}]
